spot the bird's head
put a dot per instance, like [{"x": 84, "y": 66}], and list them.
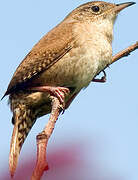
[{"x": 95, "y": 10}]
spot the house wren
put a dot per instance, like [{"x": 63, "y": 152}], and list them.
[{"x": 62, "y": 63}]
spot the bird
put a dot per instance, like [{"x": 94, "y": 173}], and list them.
[{"x": 61, "y": 64}]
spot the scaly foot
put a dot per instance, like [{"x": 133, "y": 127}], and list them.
[{"x": 59, "y": 92}]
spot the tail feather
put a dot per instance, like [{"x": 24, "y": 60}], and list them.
[
  {"x": 14, "y": 151},
  {"x": 23, "y": 122}
]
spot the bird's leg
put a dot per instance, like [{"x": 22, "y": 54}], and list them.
[
  {"x": 59, "y": 92},
  {"x": 42, "y": 140},
  {"x": 102, "y": 80}
]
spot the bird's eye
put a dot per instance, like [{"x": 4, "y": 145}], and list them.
[{"x": 95, "y": 8}]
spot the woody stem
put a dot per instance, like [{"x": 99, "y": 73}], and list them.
[
  {"x": 125, "y": 52},
  {"x": 42, "y": 140}
]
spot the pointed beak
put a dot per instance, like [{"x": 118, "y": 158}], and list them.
[{"x": 122, "y": 6}]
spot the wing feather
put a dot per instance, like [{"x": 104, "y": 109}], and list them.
[{"x": 50, "y": 49}]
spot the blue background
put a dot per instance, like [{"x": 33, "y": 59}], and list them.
[{"x": 103, "y": 118}]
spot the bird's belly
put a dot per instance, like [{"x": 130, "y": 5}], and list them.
[{"x": 76, "y": 69}]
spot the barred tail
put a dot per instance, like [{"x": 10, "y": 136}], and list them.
[{"x": 23, "y": 120}]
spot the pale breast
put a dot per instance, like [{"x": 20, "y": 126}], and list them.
[{"x": 94, "y": 49}]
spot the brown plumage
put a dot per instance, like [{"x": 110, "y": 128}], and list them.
[
  {"x": 27, "y": 106},
  {"x": 44, "y": 54},
  {"x": 23, "y": 119},
  {"x": 69, "y": 56}
]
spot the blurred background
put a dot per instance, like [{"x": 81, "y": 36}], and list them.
[{"x": 96, "y": 138}]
